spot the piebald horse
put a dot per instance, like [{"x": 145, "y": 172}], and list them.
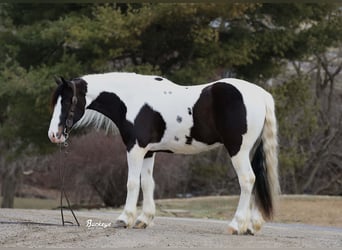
[{"x": 154, "y": 114}]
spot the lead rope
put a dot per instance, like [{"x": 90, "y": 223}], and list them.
[{"x": 61, "y": 176}]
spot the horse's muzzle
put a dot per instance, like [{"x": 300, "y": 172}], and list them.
[{"x": 57, "y": 137}]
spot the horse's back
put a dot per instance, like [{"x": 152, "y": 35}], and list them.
[
  {"x": 228, "y": 111},
  {"x": 187, "y": 119}
]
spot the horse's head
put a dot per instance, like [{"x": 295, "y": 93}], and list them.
[{"x": 68, "y": 102}]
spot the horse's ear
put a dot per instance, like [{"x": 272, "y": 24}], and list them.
[
  {"x": 58, "y": 80},
  {"x": 63, "y": 80}
]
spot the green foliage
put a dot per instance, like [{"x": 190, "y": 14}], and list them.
[
  {"x": 178, "y": 41},
  {"x": 289, "y": 31},
  {"x": 25, "y": 110},
  {"x": 297, "y": 120}
]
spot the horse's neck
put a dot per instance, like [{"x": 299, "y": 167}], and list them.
[
  {"x": 118, "y": 88},
  {"x": 105, "y": 102}
]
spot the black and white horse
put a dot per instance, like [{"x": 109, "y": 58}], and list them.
[{"x": 153, "y": 114}]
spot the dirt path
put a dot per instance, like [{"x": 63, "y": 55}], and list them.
[{"x": 166, "y": 232}]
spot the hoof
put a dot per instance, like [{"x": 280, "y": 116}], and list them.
[
  {"x": 257, "y": 227},
  {"x": 139, "y": 225},
  {"x": 232, "y": 231},
  {"x": 120, "y": 224},
  {"x": 248, "y": 232}
]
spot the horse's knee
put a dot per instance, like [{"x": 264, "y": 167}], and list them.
[
  {"x": 247, "y": 181},
  {"x": 132, "y": 184},
  {"x": 146, "y": 181},
  {"x": 147, "y": 185},
  {"x": 244, "y": 171}
]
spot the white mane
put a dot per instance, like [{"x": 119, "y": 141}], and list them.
[{"x": 98, "y": 121}]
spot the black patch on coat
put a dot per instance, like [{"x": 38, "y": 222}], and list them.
[
  {"x": 204, "y": 128},
  {"x": 158, "y": 79},
  {"x": 179, "y": 119},
  {"x": 188, "y": 140},
  {"x": 110, "y": 105},
  {"x": 219, "y": 115},
  {"x": 149, "y": 126},
  {"x": 189, "y": 111},
  {"x": 149, "y": 154},
  {"x": 176, "y": 138}
]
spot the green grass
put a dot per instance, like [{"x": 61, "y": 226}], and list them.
[
  {"x": 34, "y": 203},
  {"x": 318, "y": 210},
  {"x": 200, "y": 207}
]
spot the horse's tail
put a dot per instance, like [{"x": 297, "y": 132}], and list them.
[{"x": 265, "y": 163}]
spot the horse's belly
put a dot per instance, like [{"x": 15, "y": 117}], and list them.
[
  {"x": 184, "y": 147},
  {"x": 195, "y": 148}
]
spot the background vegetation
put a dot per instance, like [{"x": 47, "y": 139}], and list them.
[{"x": 293, "y": 50}]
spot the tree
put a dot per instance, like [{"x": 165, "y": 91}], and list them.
[
  {"x": 24, "y": 115},
  {"x": 312, "y": 134},
  {"x": 188, "y": 43},
  {"x": 309, "y": 109},
  {"x": 23, "y": 94}
]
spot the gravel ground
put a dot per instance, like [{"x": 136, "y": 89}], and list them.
[{"x": 21, "y": 228}]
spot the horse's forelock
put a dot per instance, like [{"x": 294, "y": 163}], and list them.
[
  {"x": 54, "y": 96},
  {"x": 82, "y": 85}
]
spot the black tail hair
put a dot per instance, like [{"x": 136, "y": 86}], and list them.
[{"x": 262, "y": 192}]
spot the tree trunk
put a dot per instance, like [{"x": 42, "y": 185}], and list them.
[{"x": 10, "y": 179}]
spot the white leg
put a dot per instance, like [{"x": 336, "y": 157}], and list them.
[
  {"x": 243, "y": 168},
  {"x": 257, "y": 220},
  {"x": 147, "y": 185},
  {"x": 135, "y": 160}
]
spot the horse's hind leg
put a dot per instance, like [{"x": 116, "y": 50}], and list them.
[
  {"x": 147, "y": 186},
  {"x": 241, "y": 221},
  {"x": 257, "y": 219}
]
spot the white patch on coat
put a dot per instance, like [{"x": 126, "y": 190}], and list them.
[{"x": 171, "y": 101}]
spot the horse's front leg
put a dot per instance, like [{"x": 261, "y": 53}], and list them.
[
  {"x": 147, "y": 186},
  {"x": 135, "y": 159}
]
